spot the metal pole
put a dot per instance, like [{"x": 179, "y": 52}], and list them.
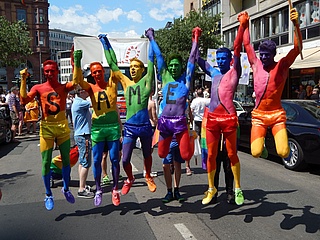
[{"x": 40, "y": 66}]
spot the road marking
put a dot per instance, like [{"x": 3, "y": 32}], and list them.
[
  {"x": 134, "y": 169},
  {"x": 186, "y": 234}
]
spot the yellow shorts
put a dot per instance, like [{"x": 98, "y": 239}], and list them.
[{"x": 52, "y": 130}]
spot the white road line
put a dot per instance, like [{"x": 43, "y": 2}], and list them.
[
  {"x": 134, "y": 169},
  {"x": 186, "y": 234}
]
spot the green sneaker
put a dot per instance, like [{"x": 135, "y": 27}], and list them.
[
  {"x": 106, "y": 180},
  {"x": 168, "y": 198},
  {"x": 239, "y": 198}
]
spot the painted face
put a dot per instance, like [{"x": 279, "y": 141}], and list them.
[
  {"x": 136, "y": 70},
  {"x": 175, "y": 68},
  {"x": 50, "y": 72},
  {"x": 266, "y": 58},
  {"x": 223, "y": 62},
  {"x": 97, "y": 72}
]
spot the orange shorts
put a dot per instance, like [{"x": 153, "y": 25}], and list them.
[{"x": 268, "y": 118}]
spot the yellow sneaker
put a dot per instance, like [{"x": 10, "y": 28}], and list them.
[
  {"x": 208, "y": 196},
  {"x": 151, "y": 185}
]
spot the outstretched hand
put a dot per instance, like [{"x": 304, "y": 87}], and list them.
[
  {"x": 103, "y": 39},
  {"x": 294, "y": 16},
  {"x": 243, "y": 18},
  {"x": 24, "y": 73},
  {"x": 77, "y": 55},
  {"x": 149, "y": 34},
  {"x": 196, "y": 33}
]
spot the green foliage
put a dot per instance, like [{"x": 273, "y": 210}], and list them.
[
  {"x": 178, "y": 38},
  {"x": 14, "y": 42}
]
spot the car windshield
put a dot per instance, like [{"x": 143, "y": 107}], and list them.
[{"x": 312, "y": 107}]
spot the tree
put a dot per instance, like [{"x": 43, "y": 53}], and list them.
[
  {"x": 177, "y": 38},
  {"x": 14, "y": 42}
]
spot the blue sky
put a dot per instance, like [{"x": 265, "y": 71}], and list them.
[{"x": 117, "y": 18}]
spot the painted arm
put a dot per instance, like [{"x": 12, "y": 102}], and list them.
[
  {"x": 156, "y": 50},
  {"x": 243, "y": 18},
  {"x": 25, "y": 98},
  {"x": 291, "y": 56},
  {"x": 150, "y": 71},
  {"x": 237, "y": 49},
  {"x": 204, "y": 65},
  {"x": 109, "y": 52},
  {"x": 77, "y": 76}
]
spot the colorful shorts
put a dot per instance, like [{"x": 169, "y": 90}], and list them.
[
  {"x": 268, "y": 118},
  {"x": 222, "y": 122},
  {"x": 135, "y": 131},
  {"x": 52, "y": 130},
  {"x": 105, "y": 132},
  {"x": 170, "y": 125}
]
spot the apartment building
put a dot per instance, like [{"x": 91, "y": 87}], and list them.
[{"x": 269, "y": 19}]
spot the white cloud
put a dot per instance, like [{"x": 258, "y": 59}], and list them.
[
  {"x": 168, "y": 9},
  {"x": 135, "y": 16},
  {"x": 106, "y": 16},
  {"x": 128, "y": 34}
]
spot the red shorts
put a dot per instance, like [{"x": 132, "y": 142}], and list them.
[{"x": 222, "y": 122}]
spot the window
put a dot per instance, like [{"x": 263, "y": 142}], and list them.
[
  {"x": 22, "y": 15},
  {"x": 39, "y": 16}
]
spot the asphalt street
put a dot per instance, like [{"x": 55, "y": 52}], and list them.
[{"x": 280, "y": 204}]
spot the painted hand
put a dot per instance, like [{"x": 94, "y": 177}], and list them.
[
  {"x": 24, "y": 74},
  {"x": 150, "y": 34},
  {"x": 103, "y": 39},
  {"x": 243, "y": 18},
  {"x": 77, "y": 55},
  {"x": 294, "y": 16},
  {"x": 196, "y": 33}
]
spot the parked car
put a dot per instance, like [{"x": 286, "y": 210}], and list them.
[
  {"x": 238, "y": 107},
  {"x": 5, "y": 126},
  {"x": 303, "y": 127}
]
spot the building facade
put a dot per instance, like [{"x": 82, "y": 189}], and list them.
[
  {"x": 35, "y": 14},
  {"x": 269, "y": 19}
]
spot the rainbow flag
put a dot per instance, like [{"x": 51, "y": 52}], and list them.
[{"x": 203, "y": 142}]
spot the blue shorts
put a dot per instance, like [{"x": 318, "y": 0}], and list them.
[
  {"x": 84, "y": 145},
  {"x": 174, "y": 154}
]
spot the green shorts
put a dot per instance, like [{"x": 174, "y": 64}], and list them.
[{"x": 105, "y": 132}]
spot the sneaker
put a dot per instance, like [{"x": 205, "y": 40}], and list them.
[
  {"x": 68, "y": 195},
  {"x": 85, "y": 194},
  {"x": 230, "y": 198},
  {"x": 48, "y": 202},
  {"x": 115, "y": 197},
  {"x": 168, "y": 198},
  {"x": 106, "y": 180},
  {"x": 264, "y": 153},
  {"x": 151, "y": 185},
  {"x": 178, "y": 197},
  {"x": 239, "y": 198},
  {"x": 152, "y": 174},
  {"x": 126, "y": 186},
  {"x": 208, "y": 196},
  {"x": 120, "y": 177},
  {"x": 188, "y": 171},
  {"x": 98, "y": 198}
]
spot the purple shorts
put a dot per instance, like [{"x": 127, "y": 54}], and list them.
[{"x": 172, "y": 125}]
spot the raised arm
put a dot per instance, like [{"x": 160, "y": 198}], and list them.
[
  {"x": 77, "y": 77},
  {"x": 156, "y": 50},
  {"x": 150, "y": 71},
  {"x": 237, "y": 49},
  {"x": 204, "y": 65},
  {"x": 25, "y": 98},
  {"x": 109, "y": 52},
  {"x": 243, "y": 18}
]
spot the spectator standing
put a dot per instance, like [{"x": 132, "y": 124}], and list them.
[
  {"x": 31, "y": 115},
  {"x": 81, "y": 117},
  {"x": 15, "y": 108},
  {"x": 301, "y": 92}
]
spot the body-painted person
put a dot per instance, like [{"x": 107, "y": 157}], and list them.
[
  {"x": 137, "y": 123},
  {"x": 175, "y": 91},
  {"x": 105, "y": 128},
  {"x": 269, "y": 80},
  {"x": 221, "y": 114},
  {"x": 52, "y": 96}
]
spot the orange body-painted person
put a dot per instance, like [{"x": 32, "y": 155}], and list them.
[
  {"x": 52, "y": 97},
  {"x": 269, "y": 80}
]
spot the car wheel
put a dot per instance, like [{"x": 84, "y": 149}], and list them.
[
  {"x": 8, "y": 136},
  {"x": 295, "y": 160}
]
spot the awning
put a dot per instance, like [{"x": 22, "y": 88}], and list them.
[{"x": 311, "y": 58}]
